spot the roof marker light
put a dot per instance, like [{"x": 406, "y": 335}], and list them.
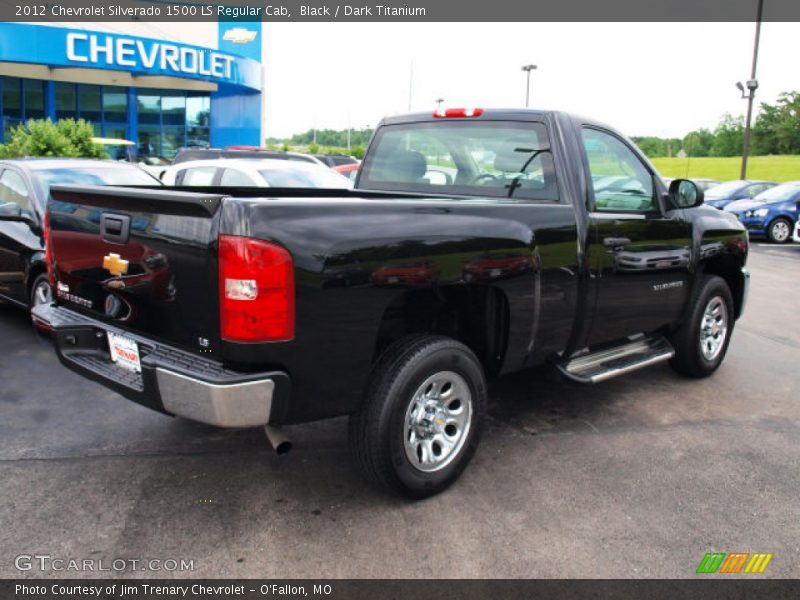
[{"x": 454, "y": 113}]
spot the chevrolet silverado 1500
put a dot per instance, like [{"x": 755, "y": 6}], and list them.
[{"x": 476, "y": 243}]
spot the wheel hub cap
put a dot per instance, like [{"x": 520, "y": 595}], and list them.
[
  {"x": 437, "y": 421},
  {"x": 713, "y": 328}
]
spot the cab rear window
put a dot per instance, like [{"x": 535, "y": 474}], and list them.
[{"x": 488, "y": 158}]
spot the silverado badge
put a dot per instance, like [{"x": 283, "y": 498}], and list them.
[{"x": 115, "y": 265}]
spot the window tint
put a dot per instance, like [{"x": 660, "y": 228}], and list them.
[
  {"x": 34, "y": 98},
  {"x": 198, "y": 176},
  {"x": 620, "y": 180},
  {"x": 482, "y": 158},
  {"x": 99, "y": 175},
  {"x": 755, "y": 189},
  {"x": 90, "y": 102},
  {"x": 235, "y": 177},
  {"x": 13, "y": 189},
  {"x": 307, "y": 176}
]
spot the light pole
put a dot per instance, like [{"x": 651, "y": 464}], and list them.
[
  {"x": 528, "y": 69},
  {"x": 752, "y": 86},
  {"x": 439, "y": 104}
]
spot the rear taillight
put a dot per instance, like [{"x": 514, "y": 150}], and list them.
[
  {"x": 48, "y": 251},
  {"x": 256, "y": 289}
]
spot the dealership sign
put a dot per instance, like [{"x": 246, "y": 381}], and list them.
[
  {"x": 111, "y": 51},
  {"x": 59, "y": 47}
]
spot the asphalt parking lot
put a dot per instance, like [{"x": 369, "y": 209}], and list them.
[{"x": 637, "y": 477}]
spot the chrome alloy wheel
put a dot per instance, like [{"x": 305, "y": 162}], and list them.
[
  {"x": 437, "y": 421},
  {"x": 781, "y": 231},
  {"x": 713, "y": 328},
  {"x": 42, "y": 293}
]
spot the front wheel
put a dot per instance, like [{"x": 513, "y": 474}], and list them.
[
  {"x": 422, "y": 416},
  {"x": 702, "y": 341},
  {"x": 779, "y": 231}
]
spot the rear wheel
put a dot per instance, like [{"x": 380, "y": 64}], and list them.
[
  {"x": 702, "y": 341},
  {"x": 422, "y": 416},
  {"x": 779, "y": 231},
  {"x": 41, "y": 291}
]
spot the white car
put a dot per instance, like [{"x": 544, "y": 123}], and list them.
[
  {"x": 254, "y": 172},
  {"x": 796, "y": 236}
]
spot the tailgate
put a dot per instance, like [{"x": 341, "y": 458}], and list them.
[{"x": 143, "y": 260}]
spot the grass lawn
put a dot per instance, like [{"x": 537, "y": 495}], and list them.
[{"x": 772, "y": 168}]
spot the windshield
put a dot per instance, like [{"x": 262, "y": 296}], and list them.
[
  {"x": 292, "y": 177},
  {"x": 778, "y": 193},
  {"x": 98, "y": 175},
  {"x": 486, "y": 158},
  {"x": 723, "y": 189}
]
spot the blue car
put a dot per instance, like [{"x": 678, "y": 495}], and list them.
[
  {"x": 772, "y": 213},
  {"x": 719, "y": 196}
]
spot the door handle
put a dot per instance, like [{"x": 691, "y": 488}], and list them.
[{"x": 615, "y": 242}]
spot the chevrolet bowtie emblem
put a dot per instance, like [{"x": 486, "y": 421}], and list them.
[{"x": 115, "y": 265}]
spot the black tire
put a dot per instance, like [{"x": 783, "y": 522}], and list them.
[
  {"x": 378, "y": 430},
  {"x": 691, "y": 359},
  {"x": 40, "y": 282},
  {"x": 780, "y": 231}
]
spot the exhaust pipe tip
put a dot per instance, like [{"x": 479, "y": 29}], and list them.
[
  {"x": 283, "y": 448},
  {"x": 279, "y": 441}
]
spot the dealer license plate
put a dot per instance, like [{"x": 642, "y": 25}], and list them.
[{"x": 124, "y": 352}]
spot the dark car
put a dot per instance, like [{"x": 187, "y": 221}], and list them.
[
  {"x": 723, "y": 194},
  {"x": 24, "y": 190},
  {"x": 551, "y": 241}
]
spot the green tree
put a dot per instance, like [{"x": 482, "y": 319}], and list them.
[
  {"x": 42, "y": 137},
  {"x": 777, "y": 128},
  {"x": 728, "y": 136},
  {"x": 653, "y": 147},
  {"x": 698, "y": 142}
]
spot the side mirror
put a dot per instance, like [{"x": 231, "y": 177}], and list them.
[
  {"x": 10, "y": 211},
  {"x": 684, "y": 193}
]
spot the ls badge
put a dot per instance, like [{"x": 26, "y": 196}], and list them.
[{"x": 115, "y": 265}]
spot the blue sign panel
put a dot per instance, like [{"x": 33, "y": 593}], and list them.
[{"x": 59, "y": 47}]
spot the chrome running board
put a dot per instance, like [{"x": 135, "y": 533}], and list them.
[{"x": 601, "y": 365}]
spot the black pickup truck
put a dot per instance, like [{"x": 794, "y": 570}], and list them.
[{"x": 476, "y": 243}]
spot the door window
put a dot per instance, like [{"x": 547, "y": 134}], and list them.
[
  {"x": 755, "y": 189},
  {"x": 234, "y": 177},
  {"x": 620, "y": 180},
  {"x": 13, "y": 189}
]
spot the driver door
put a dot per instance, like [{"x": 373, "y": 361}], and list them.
[{"x": 639, "y": 254}]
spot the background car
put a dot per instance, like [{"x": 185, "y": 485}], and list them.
[
  {"x": 254, "y": 172},
  {"x": 24, "y": 191},
  {"x": 796, "y": 236},
  {"x": 187, "y": 154},
  {"x": 349, "y": 170},
  {"x": 705, "y": 184},
  {"x": 336, "y": 160},
  {"x": 723, "y": 194},
  {"x": 772, "y": 213},
  {"x": 411, "y": 273}
]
